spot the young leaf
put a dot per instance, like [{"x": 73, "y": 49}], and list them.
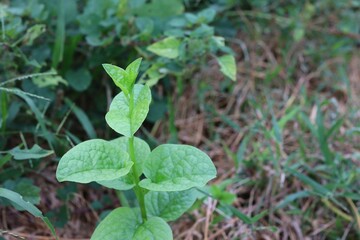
[
  {"x": 228, "y": 66},
  {"x": 168, "y": 47},
  {"x": 119, "y": 117},
  {"x": 133, "y": 69},
  {"x": 169, "y": 205},
  {"x": 119, "y": 76},
  {"x": 93, "y": 160},
  {"x": 172, "y": 167},
  {"x": 126, "y": 224}
]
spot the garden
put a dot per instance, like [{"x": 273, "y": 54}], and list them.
[{"x": 179, "y": 119}]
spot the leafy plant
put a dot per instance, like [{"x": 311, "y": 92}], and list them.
[{"x": 171, "y": 171}]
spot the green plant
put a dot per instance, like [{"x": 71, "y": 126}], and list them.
[{"x": 171, "y": 171}]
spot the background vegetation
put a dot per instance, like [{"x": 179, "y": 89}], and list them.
[{"x": 285, "y": 136}]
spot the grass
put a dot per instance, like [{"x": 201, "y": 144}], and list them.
[{"x": 288, "y": 148}]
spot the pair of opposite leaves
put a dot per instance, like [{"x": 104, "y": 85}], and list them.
[{"x": 168, "y": 168}]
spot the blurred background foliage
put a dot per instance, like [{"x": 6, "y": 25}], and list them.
[{"x": 285, "y": 135}]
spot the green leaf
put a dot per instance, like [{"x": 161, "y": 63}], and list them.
[
  {"x": 222, "y": 195},
  {"x": 153, "y": 229},
  {"x": 228, "y": 66},
  {"x": 142, "y": 151},
  {"x": 168, "y": 47},
  {"x": 172, "y": 167},
  {"x": 121, "y": 223},
  {"x": 79, "y": 79},
  {"x": 33, "y": 32},
  {"x": 58, "y": 49},
  {"x": 19, "y": 201},
  {"x": 25, "y": 188},
  {"x": 133, "y": 69},
  {"x": 292, "y": 197},
  {"x": 82, "y": 117},
  {"x": 169, "y": 205},
  {"x": 48, "y": 81},
  {"x": 93, "y": 160},
  {"x": 309, "y": 181},
  {"x": 119, "y": 117},
  {"x": 119, "y": 76},
  {"x": 126, "y": 224},
  {"x": 4, "y": 159},
  {"x": 141, "y": 148},
  {"x": 36, "y": 152},
  {"x": 159, "y": 9}
]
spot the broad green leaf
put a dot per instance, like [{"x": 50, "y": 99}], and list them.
[
  {"x": 141, "y": 148},
  {"x": 119, "y": 117},
  {"x": 119, "y": 76},
  {"x": 126, "y": 224},
  {"x": 172, "y": 167},
  {"x": 169, "y": 205},
  {"x": 133, "y": 69},
  {"x": 228, "y": 66},
  {"x": 19, "y": 201},
  {"x": 93, "y": 160},
  {"x": 168, "y": 47},
  {"x": 35, "y": 152},
  {"x": 154, "y": 228}
]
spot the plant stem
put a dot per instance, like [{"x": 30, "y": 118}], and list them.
[{"x": 137, "y": 189}]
